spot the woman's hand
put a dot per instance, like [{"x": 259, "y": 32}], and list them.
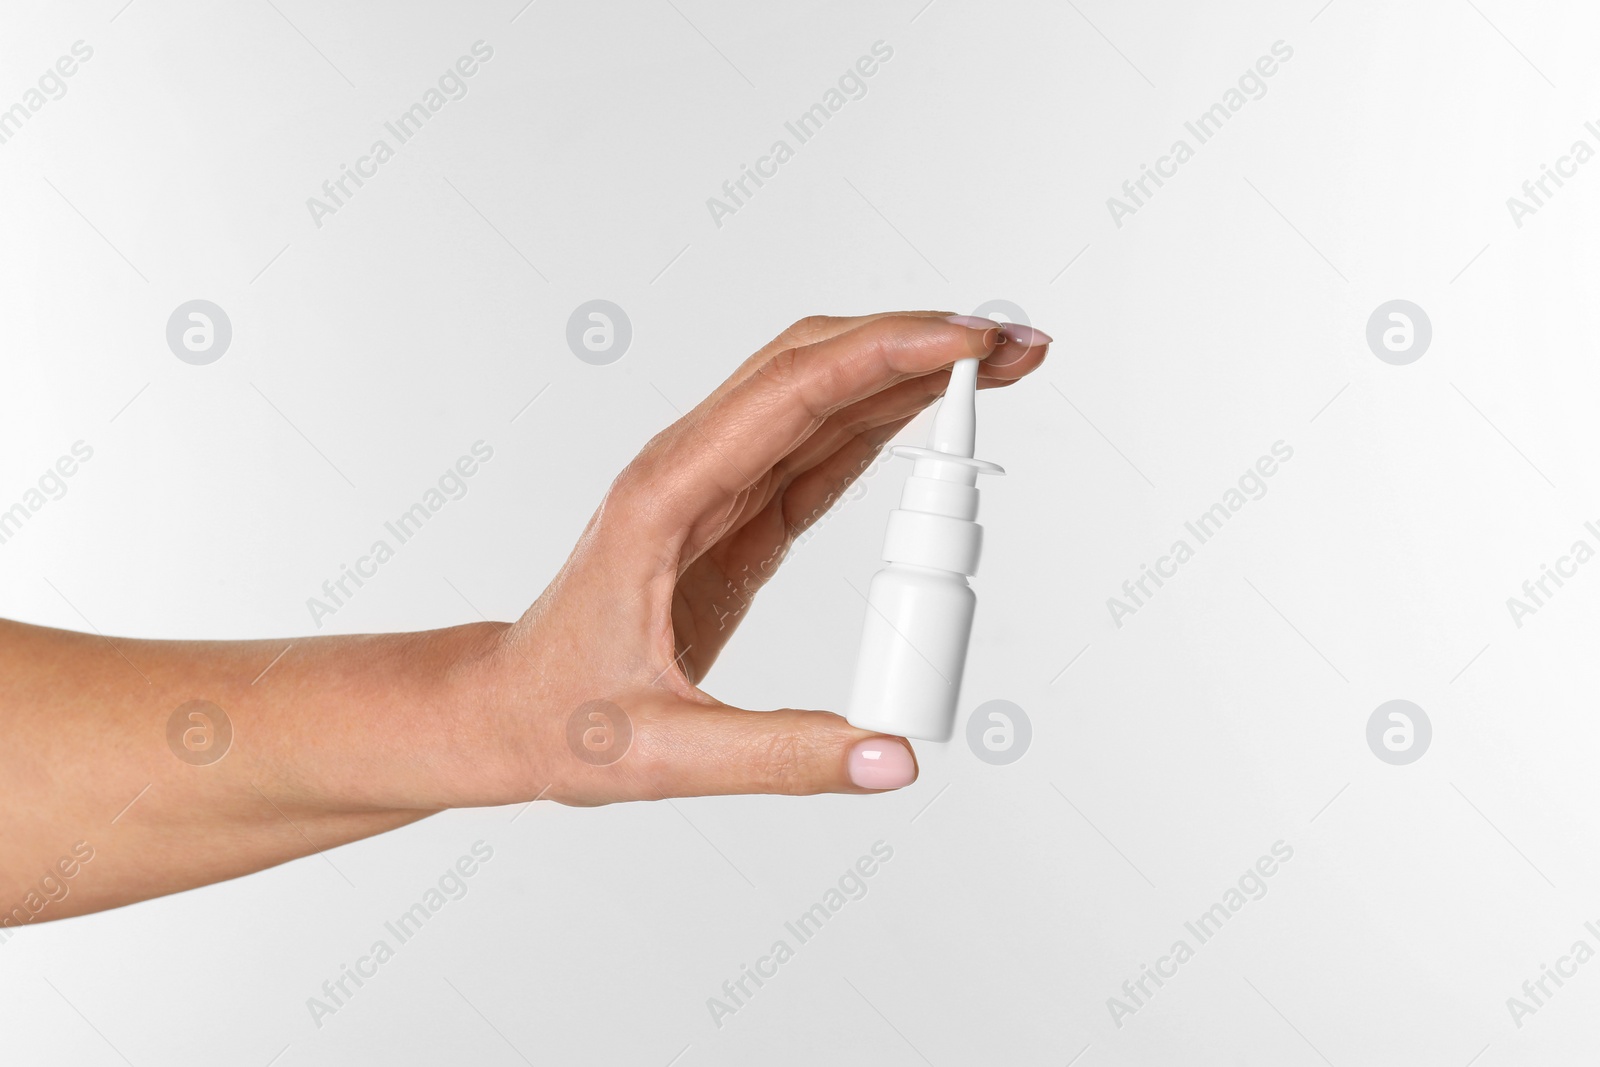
[
  {"x": 590, "y": 697},
  {"x": 594, "y": 692}
]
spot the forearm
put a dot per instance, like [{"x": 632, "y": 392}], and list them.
[{"x": 342, "y": 738}]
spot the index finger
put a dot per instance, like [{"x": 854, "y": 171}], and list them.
[
  {"x": 809, "y": 331},
  {"x": 731, "y": 442}
]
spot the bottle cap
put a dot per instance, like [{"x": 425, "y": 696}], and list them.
[{"x": 934, "y": 526}]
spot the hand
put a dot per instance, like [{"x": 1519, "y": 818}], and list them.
[
  {"x": 681, "y": 544},
  {"x": 589, "y": 698}
]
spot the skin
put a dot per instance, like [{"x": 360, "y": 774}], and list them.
[{"x": 349, "y": 736}]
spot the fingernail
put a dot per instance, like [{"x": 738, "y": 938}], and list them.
[
  {"x": 881, "y": 763},
  {"x": 1023, "y": 339},
  {"x": 1026, "y": 336}
]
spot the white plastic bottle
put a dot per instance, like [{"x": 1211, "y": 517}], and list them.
[{"x": 920, "y": 607}]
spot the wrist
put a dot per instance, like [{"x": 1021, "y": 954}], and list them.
[
  {"x": 475, "y": 730},
  {"x": 396, "y": 722}
]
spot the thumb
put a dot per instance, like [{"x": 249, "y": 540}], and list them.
[{"x": 685, "y": 749}]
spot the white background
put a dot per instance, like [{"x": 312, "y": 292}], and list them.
[{"x": 1227, "y": 314}]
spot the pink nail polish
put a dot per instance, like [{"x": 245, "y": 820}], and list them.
[
  {"x": 1024, "y": 339},
  {"x": 972, "y": 321},
  {"x": 881, "y": 763},
  {"x": 1026, "y": 336}
]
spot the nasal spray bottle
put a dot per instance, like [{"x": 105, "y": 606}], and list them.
[{"x": 919, "y": 608}]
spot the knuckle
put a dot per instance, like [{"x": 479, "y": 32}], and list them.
[
  {"x": 864, "y": 425},
  {"x": 569, "y": 796},
  {"x": 616, "y": 505},
  {"x": 622, "y": 486},
  {"x": 784, "y": 371},
  {"x": 635, "y": 481},
  {"x": 792, "y": 756},
  {"x": 801, "y": 379},
  {"x": 805, "y": 331},
  {"x": 652, "y": 770},
  {"x": 780, "y": 366},
  {"x": 784, "y": 758}
]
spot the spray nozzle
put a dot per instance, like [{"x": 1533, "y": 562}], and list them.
[
  {"x": 955, "y": 423},
  {"x": 954, "y": 433}
]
